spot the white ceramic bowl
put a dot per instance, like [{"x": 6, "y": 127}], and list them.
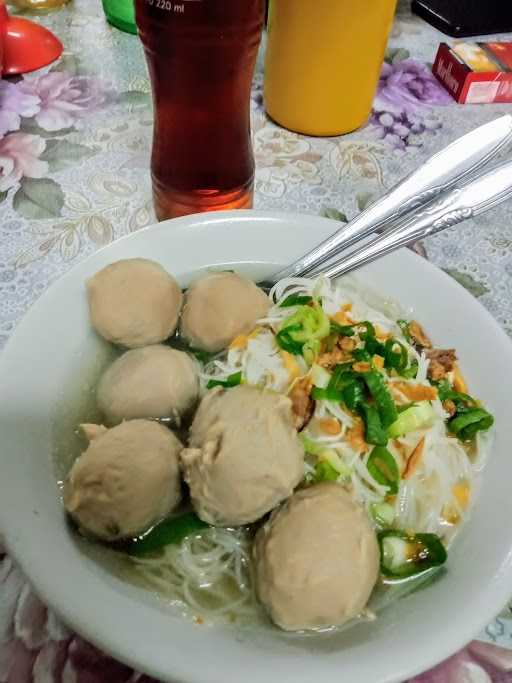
[{"x": 55, "y": 340}]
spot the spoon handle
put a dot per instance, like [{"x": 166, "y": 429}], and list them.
[
  {"x": 482, "y": 194},
  {"x": 439, "y": 173}
]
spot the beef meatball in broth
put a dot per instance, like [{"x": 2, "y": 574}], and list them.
[
  {"x": 219, "y": 307},
  {"x": 155, "y": 381},
  {"x": 316, "y": 560},
  {"x": 134, "y": 302},
  {"x": 127, "y": 480},
  {"x": 244, "y": 456}
]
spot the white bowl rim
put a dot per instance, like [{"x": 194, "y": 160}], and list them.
[{"x": 111, "y": 635}]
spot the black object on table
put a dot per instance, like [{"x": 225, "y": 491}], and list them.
[{"x": 461, "y": 18}]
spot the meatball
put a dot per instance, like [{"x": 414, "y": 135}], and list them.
[
  {"x": 219, "y": 307},
  {"x": 134, "y": 302},
  {"x": 127, "y": 480},
  {"x": 316, "y": 560},
  {"x": 244, "y": 456},
  {"x": 155, "y": 381}
]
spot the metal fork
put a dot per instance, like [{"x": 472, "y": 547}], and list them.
[
  {"x": 458, "y": 162},
  {"x": 480, "y": 195}
]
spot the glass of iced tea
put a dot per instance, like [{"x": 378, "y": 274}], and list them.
[{"x": 201, "y": 56}]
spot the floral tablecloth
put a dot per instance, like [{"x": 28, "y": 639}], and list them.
[{"x": 74, "y": 158}]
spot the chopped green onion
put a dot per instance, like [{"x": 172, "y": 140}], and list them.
[
  {"x": 342, "y": 330},
  {"x": 308, "y": 322},
  {"x": 395, "y": 359},
  {"x": 361, "y": 355},
  {"x": 311, "y": 350},
  {"x": 404, "y": 555},
  {"x": 411, "y": 371},
  {"x": 309, "y": 445},
  {"x": 445, "y": 391},
  {"x": 353, "y": 394},
  {"x": 374, "y": 432},
  {"x": 383, "y": 468},
  {"x": 382, "y": 397},
  {"x": 469, "y": 418},
  {"x": 320, "y": 376},
  {"x": 370, "y": 330},
  {"x": 383, "y": 514},
  {"x": 341, "y": 375},
  {"x": 172, "y": 530},
  {"x": 329, "y": 462},
  {"x": 467, "y": 424},
  {"x": 325, "y": 472},
  {"x": 232, "y": 381},
  {"x": 319, "y": 394},
  {"x": 331, "y": 456},
  {"x": 295, "y": 300},
  {"x": 417, "y": 416},
  {"x": 404, "y": 326}
]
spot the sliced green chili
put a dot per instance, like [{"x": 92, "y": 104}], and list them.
[
  {"x": 232, "y": 381},
  {"x": 172, "y": 530},
  {"x": 404, "y": 555},
  {"x": 383, "y": 468},
  {"x": 203, "y": 356}
]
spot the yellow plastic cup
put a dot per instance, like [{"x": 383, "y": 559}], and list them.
[{"x": 323, "y": 62}]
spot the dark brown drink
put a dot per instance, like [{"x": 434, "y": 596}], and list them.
[{"x": 201, "y": 56}]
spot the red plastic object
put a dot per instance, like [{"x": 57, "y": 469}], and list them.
[{"x": 24, "y": 45}]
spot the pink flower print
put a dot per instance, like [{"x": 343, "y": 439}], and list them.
[
  {"x": 19, "y": 157},
  {"x": 65, "y": 99},
  {"x": 14, "y": 103}
]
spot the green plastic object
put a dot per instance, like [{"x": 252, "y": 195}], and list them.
[{"x": 121, "y": 14}]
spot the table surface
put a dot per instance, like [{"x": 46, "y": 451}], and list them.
[{"x": 75, "y": 145}]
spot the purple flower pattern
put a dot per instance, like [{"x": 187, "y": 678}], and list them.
[
  {"x": 408, "y": 86},
  {"x": 402, "y": 109}
]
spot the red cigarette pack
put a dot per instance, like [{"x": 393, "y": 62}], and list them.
[{"x": 475, "y": 73}]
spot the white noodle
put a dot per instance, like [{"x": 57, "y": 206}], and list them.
[{"x": 209, "y": 571}]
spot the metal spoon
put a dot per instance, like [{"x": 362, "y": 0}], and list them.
[
  {"x": 481, "y": 194},
  {"x": 461, "y": 159}
]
